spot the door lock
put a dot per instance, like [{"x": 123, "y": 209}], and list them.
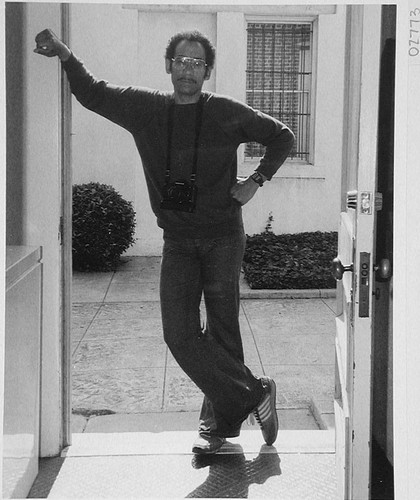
[
  {"x": 338, "y": 269},
  {"x": 383, "y": 269},
  {"x": 364, "y": 285}
]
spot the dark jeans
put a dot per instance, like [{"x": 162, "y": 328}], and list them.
[{"x": 212, "y": 356}]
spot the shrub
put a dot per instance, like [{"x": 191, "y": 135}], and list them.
[
  {"x": 103, "y": 226},
  {"x": 289, "y": 261}
]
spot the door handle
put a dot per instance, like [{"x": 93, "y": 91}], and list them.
[
  {"x": 338, "y": 269},
  {"x": 383, "y": 269}
]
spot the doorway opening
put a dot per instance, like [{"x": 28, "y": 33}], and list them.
[
  {"x": 95, "y": 310},
  {"x": 173, "y": 391}
]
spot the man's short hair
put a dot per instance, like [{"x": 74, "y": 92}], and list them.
[{"x": 191, "y": 36}]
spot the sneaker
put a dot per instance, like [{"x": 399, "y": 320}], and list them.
[
  {"x": 207, "y": 445},
  {"x": 265, "y": 412}
]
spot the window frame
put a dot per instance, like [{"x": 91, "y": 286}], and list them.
[{"x": 293, "y": 167}]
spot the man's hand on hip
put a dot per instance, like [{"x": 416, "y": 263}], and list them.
[{"x": 244, "y": 190}]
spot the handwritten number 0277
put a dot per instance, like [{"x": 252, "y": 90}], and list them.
[{"x": 414, "y": 34}]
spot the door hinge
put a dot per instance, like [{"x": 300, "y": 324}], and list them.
[{"x": 351, "y": 200}]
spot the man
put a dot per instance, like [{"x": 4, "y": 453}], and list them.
[{"x": 188, "y": 144}]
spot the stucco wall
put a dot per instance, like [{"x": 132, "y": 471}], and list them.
[
  {"x": 126, "y": 46},
  {"x": 105, "y": 38},
  {"x": 306, "y": 197}
]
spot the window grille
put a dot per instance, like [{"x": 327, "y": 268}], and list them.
[{"x": 279, "y": 71}]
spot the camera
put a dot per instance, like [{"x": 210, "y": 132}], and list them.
[{"x": 179, "y": 195}]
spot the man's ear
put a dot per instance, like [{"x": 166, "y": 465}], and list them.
[
  {"x": 168, "y": 66},
  {"x": 208, "y": 73}
]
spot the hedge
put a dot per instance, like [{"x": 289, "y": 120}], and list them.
[{"x": 290, "y": 261}]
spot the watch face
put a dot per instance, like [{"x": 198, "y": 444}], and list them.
[{"x": 257, "y": 178}]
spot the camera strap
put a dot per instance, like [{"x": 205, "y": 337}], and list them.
[{"x": 198, "y": 122}]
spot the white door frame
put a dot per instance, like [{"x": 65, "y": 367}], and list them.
[
  {"x": 66, "y": 238},
  {"x": 406, "y": 290}
]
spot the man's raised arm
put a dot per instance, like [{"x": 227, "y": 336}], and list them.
[{"x": 123, "y": 105}]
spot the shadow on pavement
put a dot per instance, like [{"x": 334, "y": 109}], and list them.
[
  {"x": 230, "y": 475},
  {"x": 49, "y": 469}
]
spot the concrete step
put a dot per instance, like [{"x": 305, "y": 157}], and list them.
[
  {"x": 289, "y": 419},
  {"x": 301, "y": 465}
]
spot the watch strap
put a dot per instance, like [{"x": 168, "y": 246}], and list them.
[{"x": 258, "y": 178}]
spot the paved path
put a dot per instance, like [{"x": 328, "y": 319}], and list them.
[{"x": 124, "y": 373}]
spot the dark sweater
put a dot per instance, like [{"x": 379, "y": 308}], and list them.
[{"x": 226, "y": 123}]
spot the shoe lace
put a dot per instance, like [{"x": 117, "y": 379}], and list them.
[{"x": 254, "y": 417}]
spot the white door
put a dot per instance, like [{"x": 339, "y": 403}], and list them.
[{"x": 354, "y": 266}]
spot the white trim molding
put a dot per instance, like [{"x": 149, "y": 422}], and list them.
[{"x": 284, "y": 10}]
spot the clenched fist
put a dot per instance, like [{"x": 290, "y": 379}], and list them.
[{"x": 49, "y": 45}]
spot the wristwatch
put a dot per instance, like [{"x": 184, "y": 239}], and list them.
[{"x": 258, "y": 178}]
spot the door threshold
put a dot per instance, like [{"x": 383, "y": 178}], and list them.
[{"x": 180, "y": 443}]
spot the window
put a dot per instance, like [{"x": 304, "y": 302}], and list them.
[{"x": 279, "y": 79}]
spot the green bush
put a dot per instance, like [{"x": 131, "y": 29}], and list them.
[
  {"x": 103, "y": 226},
  {"x": 290, "y": 261}
]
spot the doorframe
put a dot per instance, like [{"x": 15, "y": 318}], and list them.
[
  {"x": 406, "y": 290},
  {"x": 2, "y": 245},
  {"x": 66, "y": 239}
]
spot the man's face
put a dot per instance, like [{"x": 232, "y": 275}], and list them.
[{"x": 188, "y": 80}]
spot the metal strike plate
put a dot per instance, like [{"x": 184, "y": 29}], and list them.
[{"x": 364, "y": 287}]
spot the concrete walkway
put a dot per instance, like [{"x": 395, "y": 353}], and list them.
[
  {"x": 135, "y": 412},
  {"x": 124, "y": 377}
]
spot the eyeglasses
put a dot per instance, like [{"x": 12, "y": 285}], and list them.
[{"x": 182, "y": 62}]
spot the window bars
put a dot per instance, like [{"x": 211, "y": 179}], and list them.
[{"x": 278, "y": 79}]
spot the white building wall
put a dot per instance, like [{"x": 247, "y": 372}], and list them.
[
  {"x": 105, "y": 38},
  {"x": 35, "y": 176},
  {"x": 126, "y": 46}
]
